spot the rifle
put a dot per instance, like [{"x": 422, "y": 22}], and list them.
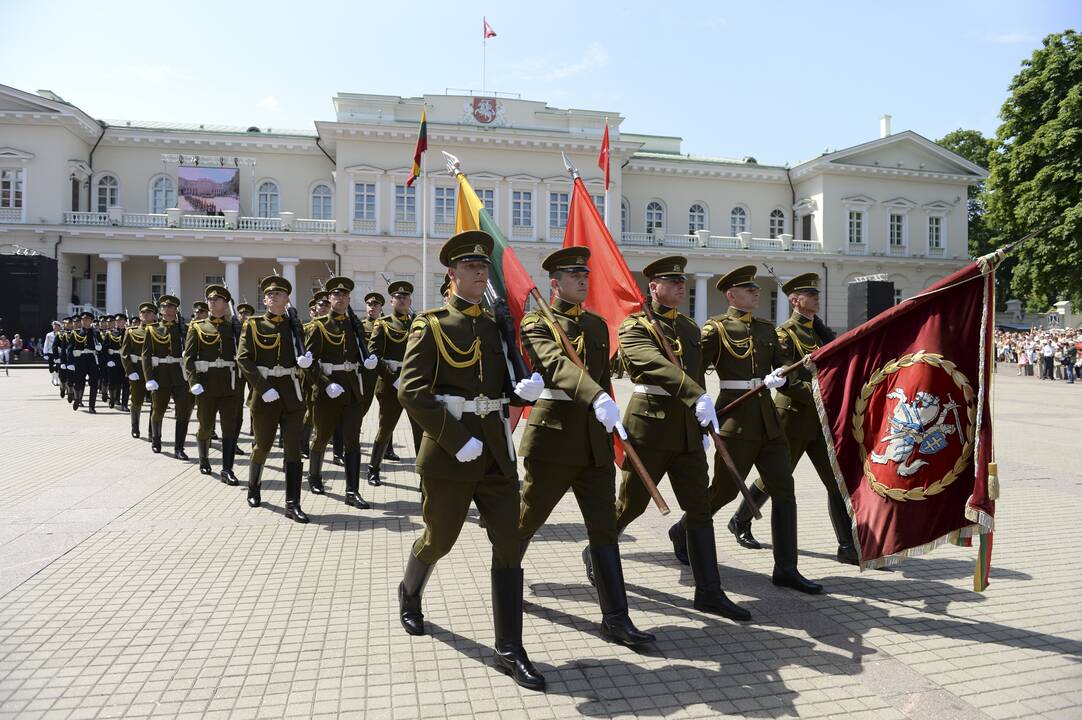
[
  {"x": 296, "y": 329},
  {"x": 358, "y": 333}
]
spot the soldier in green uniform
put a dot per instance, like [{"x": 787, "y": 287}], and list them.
[
  {"x": 210, "y": 361},
  {"x": 335, "y": 377},
  {"x": 567, "y": 444},
  {"x": 455, "y": 383},
  {"x": 799, "y": 336},
  {"x": 164, "y": 372},
  {"x": 244, "y": 311},
  {"x": 318, "y": 306},
  {"x": 742, "y": 348},
  {"x": 388, "y": 342},
  {"x": 664, "y": 420},
  {"x": 200, "y": 311},
  {"x": 268, "y": 359},
  {"x": 373, "y": 303},
  {"x": 131, "y": 357},
  {"x": 121, "y": 329}
]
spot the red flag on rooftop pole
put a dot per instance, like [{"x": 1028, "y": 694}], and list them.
[
  {"x": 488, "y": 31},
  {"x": 603, "y": 156}
]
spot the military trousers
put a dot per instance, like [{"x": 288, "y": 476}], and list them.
[
  {"x": 266, "y": 419},
  {"x": 239, "y": 399},
  {"x": 770, "y": 458},
  {"x": 327, "y": 413},
  {"x": 804, "y": 433},
  {"x": 138, "y": 396},
  {"x": 445, "y": 502},
  {"x": 182, "y": 402},
  {"x": 390, "y": 410},
  {"x": 209, "y": 408},
  {"x": 368, "y": 390},
  {"x": 687, "y": 471},
  {"x": 86, "y": 372},
  {"x": 547, "y": 482}
]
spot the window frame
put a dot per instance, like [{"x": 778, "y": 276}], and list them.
[
  {"x": 17, "y": 191},
  {"x": 153, "y": 192},
  {"x": 655, "y": 226},
  {"x": 522, "y": 210},
  {"x": 703, "y": 221},
  {"x": 559, "y": 204},
  {"x": 739, "y": 211},
  {"x": 369, "y": 202},
  {"x": 258, "y": 205},
  {"x": 328, "y": 198},
  {"x": 99, "y": 186},
  {"x": 770, "y": 223},
  {"x": 862, "y": 214},
  {"x": 405, "y": 196}
]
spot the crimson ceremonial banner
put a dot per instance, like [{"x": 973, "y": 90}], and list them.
[{"x": 904, "y": 403}]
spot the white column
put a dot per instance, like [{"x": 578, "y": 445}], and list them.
[
  {"x": 289, "y": 272},
  {"x": 702, "y": 293},
  {"x": 232, "y": 275},
  {"x": 172, "y": 273},
  {"x": 781, "y": 311},
  {"x": 114, "y": 284}
]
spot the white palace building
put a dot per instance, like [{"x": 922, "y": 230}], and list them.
[{"x": 101, "y": 198}]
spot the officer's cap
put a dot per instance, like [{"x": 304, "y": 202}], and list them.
[
  {"x": 376, "y": 297},
  {"x": 246, "y": 308},
  {"x": 807, "y": 283},
  {"x": 400, "y": 286},
  {"x": 468, "y": 245},
  {"x": 169, "y": 300},
  {"x": 275, "y": 282},
  {"x": 667, "y": 268},
  {"x": 741, "y": 277},
  {"x": 86, "y": 314},
  {"x": 571, "y": 259},
  {"x": 221, "y": 291},
  {"x": 338, "y": 283},
  {"x": 322, "y": 297}
]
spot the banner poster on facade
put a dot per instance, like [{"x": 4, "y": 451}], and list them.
[{"x": 207, "y": 190}]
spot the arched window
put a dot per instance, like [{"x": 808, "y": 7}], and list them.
[
  {"x": 267, "y": 200},
  {"x": 696, "y": 218},
  {"x": 738, "y": 221},
  {"x": 625, "y": 212},
  {"x": 322, "y": 202},
  {"x": 655, "y": 217},
  {"x": 777, "y": 222},
  {"x": 163, "y": 194},
  {"x": 108, "y": 193}
]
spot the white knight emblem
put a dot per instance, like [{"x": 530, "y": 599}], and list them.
[{"x": 916, "y": 426}]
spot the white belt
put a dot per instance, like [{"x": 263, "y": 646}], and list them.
[
  {"x": 279, "y": 371},
  {"x": 650, "y": 390},
  {"x": 553, "y": 394},
  {"x": 479, "y": 406},
  {"x": 394, "y": 365},
  {"x": 113, "y": 352},
  {"x": 167, "y": 360},
  {"x": 329, "y": 368},
  {"x": 135, "y": 358},
  {"x": 204, "y": 365},
  {"x": 78, "y": 353},
  {"x": 752, "y": 384}
]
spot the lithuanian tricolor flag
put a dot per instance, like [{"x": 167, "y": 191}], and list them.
[{"x": 422, "y": 145}]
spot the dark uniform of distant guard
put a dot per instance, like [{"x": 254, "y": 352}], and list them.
[
  {"x": 799, "y": 336},
  {"x": 269, "y": 361},
  {"x": 455, "y": 383},
  {"x": 244, "y": 311},
  {"x": 200, "y": 311},
  {"x": 210, "y": 359},
  {"x": 163, "y": 369},
  {"x": 567, "y": 444},
  {"x": 110, "y": 367},
  {"x": 665, "y": 418},
  {"x": 61, "y": 352},
  {"x": 131, "y": 357},
  {"x": 318, "y": 306},
  {"x": 84, "y": 344},
  {"x": 374, "y": 303},
  {"x": 743, "y": 348}
]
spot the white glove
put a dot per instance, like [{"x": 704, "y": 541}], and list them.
[
  {"x": 152, "y": 385},
  {"x": 98, "y": 347},
  {"x": 708, "y": 443},
  {"x": 530, "y": 388},
  {"x": 133, "y": 376},
  {"x": 334, "y": 390},
  {"x": 396, "y": 381},
  {"x": 704, "y": 411},
  {"x": 774, "y": 380},
  {"x": 110, "y": 364},
  {"x": 197, "y": 389},
  {"x": 305, "y": 361},
  {"x": 470, "y": 451},
  {"x": 71, "y": 368},
  {"x": 606, "y": 411},
  {"x": 370, "y": 362},
  {"x": 270, "y": 396}
]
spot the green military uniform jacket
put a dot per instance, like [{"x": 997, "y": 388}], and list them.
[
  {"x": 455, "y": 350},
  {"x": 163, "y": 340},
  {"x": 131, "y": 350},
  {"x": 664, "y": 421},
  {"x": 331, "y": 341},
  {"x": 565, "y": 431},
  {"x": 742, "y": 347},
  {"x": 388, "y": 342},
  {"x": 267, "y": 341},
  {"x": 209, "y": 341},
  {"x": 797, "y": 338}
]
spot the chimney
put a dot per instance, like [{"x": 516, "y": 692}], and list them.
[{"x": 884, "y": 126}]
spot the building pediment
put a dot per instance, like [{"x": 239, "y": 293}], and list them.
[
  {"x": 906, "y": 153},
  {"x": 10, "y": 153},
  {"x": 938, "y": 206},
  {"x": 858, "y": 200},
  {"x": 523, "y": 178},
  {"x": 22, "y": 106},
  {"x": 900, "y": 202},
  {"x": 364, "y": 170}
]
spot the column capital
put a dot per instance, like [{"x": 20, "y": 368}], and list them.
[
  {"x": 288, "y": 260},
  {"x": 704, "y": 275},
  {"x": 172, "y": 258},
  {"x": 113, "y": 256},
  {"x": 232, "y": 260}
]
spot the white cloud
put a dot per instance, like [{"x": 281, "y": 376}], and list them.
[
  {"x": 268, "y": 103},
  {"x": 1011, "y": 38},
  {"x": 596, "y": 56}
]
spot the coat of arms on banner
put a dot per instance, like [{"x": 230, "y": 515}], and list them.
[{"x": 914, "y": 423}]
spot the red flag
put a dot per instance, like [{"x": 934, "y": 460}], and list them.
[
  {"x": 904, "y": 401},
  {"x": 488, "y": 31},
  {"x": 603, "y": 156}
]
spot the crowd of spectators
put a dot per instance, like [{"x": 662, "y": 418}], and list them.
[{"x": 1047, "y": 353}]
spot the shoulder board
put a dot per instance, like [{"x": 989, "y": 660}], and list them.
[
  {"x": 419, "y": 323},
  {"x": 630, "y": 320},
  {"x": 530, "y": 318}
]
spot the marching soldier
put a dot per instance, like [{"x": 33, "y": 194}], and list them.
[
  {"x": 244, "y": 311},
  {"x": 269, "y": 361},
  {"x": 121, "y": 329},
  {"x": 742, "y": 348},
  {"x": 131, "y": 358},
  {"x": 163, "y": 348},
  {"x": 388, "y": 343},
  {"x": 200, "y": 311},
  {"x": 567, "y": 443},
  {"x": 665, "y": 418},
  {"x": 69, "y": 329},
  {"x": 210, "y": 353},
  {"x": 799, "y": 336},
  {"x": 84, "y": 344},
  {"x": 373, "y": 304},
  {"x": 455, "y": 382},
  {"x": 110, "y": 368},
  {"x": 318, "y": 306},
  {"x": 103, "y": 324},
  {"x": 60, "y": 351},
  {"x": 336, "y": 381}
]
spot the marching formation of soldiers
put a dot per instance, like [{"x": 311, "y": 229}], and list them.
[{"x": 310, "y": 385}]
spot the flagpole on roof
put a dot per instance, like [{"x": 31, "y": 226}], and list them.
[
  {"x": 484, "y": 50},
  {"x": 424, "y": 225}
]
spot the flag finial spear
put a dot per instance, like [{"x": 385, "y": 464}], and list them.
[
  {"x": 454, "y": 168},
  {"x": 574, "y": 171}
]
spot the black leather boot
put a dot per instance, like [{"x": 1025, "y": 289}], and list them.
[
  {"x": 306, "y": 441},
  {"x": 155, "y": 437},
  {"x": 93, "y": 401},
  {"x": 709, "y": 597},
  {"x": 409, "y": 595},
  {"x": 390, "y": 454},
  {"x": 510, "y": 657},
  {"x": 293, "y": 492},
  {"x": 204, "y": 456},
  {"x": 255, "y": 476},
  {"x": 588, "y": 563},
  {"x": 179, "y": 435},
  {"x": 843, "y": 530},
  {"x": 616, "y": 625},
  {"x": 374, "y": 463},
  {"x": 783, "y": 526},
  {"x": 338, "y": 443},
  {"x": 678, "y": 537},
  {"x": 740, "y": 523},
  {"x": 353, "y": 481},
  {"x": 78, "y": 398},
  {"x": 315, "y": 473},
  {"x": 135, "y": 424},
  {"x": 229, "y": 452}
]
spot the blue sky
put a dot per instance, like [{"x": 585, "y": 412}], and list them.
[{"x": 781, "y": 81}]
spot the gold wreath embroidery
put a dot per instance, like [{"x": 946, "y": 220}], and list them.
[{"x": 935, "y": 360}]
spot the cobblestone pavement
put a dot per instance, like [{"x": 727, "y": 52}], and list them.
[{"x": 133, "y": 586}]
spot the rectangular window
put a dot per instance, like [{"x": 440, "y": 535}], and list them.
[
  {"x": 935, "y": 232},
  {"x": 488, "y": 198},
  {"x": 897, "y": 296},
  {"x": 445, "y": 205},
  {"x": 599, "y": 203},
  {"x": 559, "y": 202},
  {"x": 157, "y": 287},
  {"x": 522, "y": 208},
  {"x": 11, "y": 188},
  {"x": 213, "y": 280},
  {"x": 405, "y": 204},
  {"x": 99, "y": 290},
  {"x": 364, "y": 201},
  {"x": 897, "y": 230},
  {"x": 856, "y": 227}
]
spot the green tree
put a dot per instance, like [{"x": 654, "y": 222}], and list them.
[{"x": 1036, "y": 172}]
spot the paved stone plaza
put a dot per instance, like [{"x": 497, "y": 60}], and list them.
[{"x": 133, "y": 586}]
